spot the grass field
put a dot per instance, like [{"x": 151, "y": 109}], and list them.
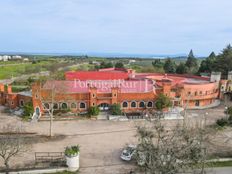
[{"x": 13, "y": 70}]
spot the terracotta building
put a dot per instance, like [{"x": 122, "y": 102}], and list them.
[
  {"x": 11, "y": 99},
  {"x": 135, "y": 92}
]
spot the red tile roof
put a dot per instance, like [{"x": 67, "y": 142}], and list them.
[
  {"x": 127, "y": 86},
  {"x": 96, "y": 75}
]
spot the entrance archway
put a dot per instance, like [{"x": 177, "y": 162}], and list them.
[{"x": 104, "y": 107}]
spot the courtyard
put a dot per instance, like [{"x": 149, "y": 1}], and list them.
[{"x": 100, "y": 141}]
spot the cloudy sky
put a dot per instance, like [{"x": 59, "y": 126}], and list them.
[{"x": 115, "y": 26}]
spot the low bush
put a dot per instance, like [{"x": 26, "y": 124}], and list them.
[
  {"x": 93, "y": 111},
  {"x": 116, "y": 109},
  {"x": 222, "y": 122},
  {"x": 28, "y": 111}
]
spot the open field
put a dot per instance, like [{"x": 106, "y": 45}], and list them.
[{"x": 14, "y": 70}]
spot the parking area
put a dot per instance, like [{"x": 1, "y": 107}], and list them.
[{"x": 100, "y": 141}]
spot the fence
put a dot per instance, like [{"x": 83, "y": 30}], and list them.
[{"x": 50, "y": 159}]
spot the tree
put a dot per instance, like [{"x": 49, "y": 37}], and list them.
[
  {"x": 207, "y": 64},
  {"x": 105, "y": 65},
  {"x": 12, "y": 143},
  {"x": 59, "y": 75},
  {"x": 178, "y": 150},
  {"x": 93, "y": 111},
  {"x": 223, "y": 62},
  {"x": 181, "y": 68},
  {"x": 158, "y": 65},
  {"x": 116, "y": 109},
  {"x": 119, "y": 65},
  {"x": 162, "y": 102},
  {"x": 191, "y": 63},
  {"x": 169, "y": 66},
  {"x": 49, "y": 92}
]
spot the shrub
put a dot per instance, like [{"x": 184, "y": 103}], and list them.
[
  {"x": 162, "y": 102},
  {"x": 116, "y": 109},
  {"x": 28, "y": 110},
  {"x": 72, "y": 151},
  {"x": 61, "y": 111},
  {"x": 93, "y": 111},
  {"x": 230, "y": 111},
  {"x": 222, "y": 122}
]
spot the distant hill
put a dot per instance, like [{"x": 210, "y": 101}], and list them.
[{"x": 99, "y": 54}]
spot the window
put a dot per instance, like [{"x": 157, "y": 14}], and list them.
[
  {"x": 93, "y": 95},
  {"x": 73, "y": 105},
  {"x": 115, "y": 95},
  {"x": 149, "y": 104},
  {"x": 197, "y": 103},
  {"x": 12, "y": 103},
  {"x": 195, "y": 93},
  {"x": 133, "y": 104},
  {"x": 124, "y": 104},
  {"x": 82, "y": 105},
  {"x": 142, "y": 104},
  {"x": 36, "y": 96},
  {"x": 64, "y": 106},
  {"x": 55, "y": 106},
  {"x": 46, "y": 106},
  {"x": 189, "y": 93},
  {"x": 21, "y": 103}
]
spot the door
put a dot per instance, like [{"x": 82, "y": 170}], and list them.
[{"x": 104, "y": 107}]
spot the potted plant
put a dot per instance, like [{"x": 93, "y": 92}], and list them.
[{"x": 72, "y": 154}]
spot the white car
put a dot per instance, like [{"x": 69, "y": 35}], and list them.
[{"x": 128, "y": 152}]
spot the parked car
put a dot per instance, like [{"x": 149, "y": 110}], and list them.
[{"x": 128, "y": 152}]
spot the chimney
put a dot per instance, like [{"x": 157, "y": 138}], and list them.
[
  {"x": 2, "y": 87},
  {"x": 230, "y": 75},
  {"x": 215, "y": 77},
  {"x": 9, "y": 89}
]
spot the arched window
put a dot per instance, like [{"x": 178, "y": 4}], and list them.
[
  {"x": 124, "y": 104},
  {"x": 133, "y": 104},
  {"x": 141, "y": 104},
  {"x": 55, "y": 106},
  {"x": 82, "y": 105},
  {"x": 46, "y": 106},
  {"x": 73, "y": 105},
  {"x": 64, "y": 106},
  {"x": 21, "y": 103},
  {"x": 150, "y": 104}
]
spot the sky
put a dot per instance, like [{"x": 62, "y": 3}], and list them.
[{"x": 115, "y": 26}]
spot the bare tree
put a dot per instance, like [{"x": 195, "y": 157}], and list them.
[
  {"x": 12, "y": 143},
  {"x": 50, "y": 93},
  {"x": 163, "y": 151}
]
